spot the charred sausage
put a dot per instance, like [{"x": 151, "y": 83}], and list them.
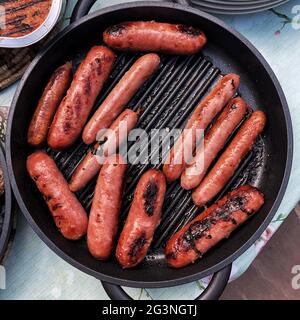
[
  {"x": 213, "y": 225},
  {"x": 229, "y": 161},
  {"x": 113, "y": 105},
  {"x": 75, "y": 108},
  {"x": 204, "y": 113},
  {"x": 103, "y": 219},
  {"x": 142, "y": 220},
  {"x": 48, "y": 103},
  {"x": 91, "y": 164},
  {"x": 213, "y": 143},
  {"x": 69, "y": 216},
  {"x": 155, "y": 36}
]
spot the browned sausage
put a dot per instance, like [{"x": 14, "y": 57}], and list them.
[
  {"x": 69, "y": 216},
  {"x": 103, "y": 219},
  {"x": 48, "y": 103},
  {"x": 142, "y": 220},
  {"x": 113, "y": 105},
  {"x": 229, "y": 161},
  {"x": 155, "y": 36},
  {"x": 75, "y": 108},
  {"x": 91, "y": 164},
  {"x": 213, "y": 143},
  {"x": 213, "y": 225},
  {"x": 204, "y": 113}
]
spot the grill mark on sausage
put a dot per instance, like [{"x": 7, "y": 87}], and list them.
[
  {"x": 56, "y": 206},
  {"x": 233, "y": 85},
  {"x": 137, "y": 245},
  {"x": 233, "y": 106},
  {"x": 67, "y": 127},
  {"x": 98, "y": 218},
  {"x": 78, "y": 104},
  {"x": 47, "y": 198},
  {"x": 99, "y": 66},
  {"x": 116, "y": 30},
  {"x": 150, "y": 196},
  {"x": 171, "y": 255},
  {"x": 87, "y": 86},
  {"x": 190, "y": 31},
  {"x": 201, "y": 228},
  {"x": 56, "y": 75}
]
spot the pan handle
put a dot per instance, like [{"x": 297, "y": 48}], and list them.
[
  {"x": 83, "y": 7},
  {"x": 213, "y": 291}
]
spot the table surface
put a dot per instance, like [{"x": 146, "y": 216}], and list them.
[{"x": 33, "y": 271}]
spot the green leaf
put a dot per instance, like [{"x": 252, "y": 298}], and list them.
[{"x": 200, "y": 285}]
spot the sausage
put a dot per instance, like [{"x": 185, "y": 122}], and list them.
[
  {"x": 68, "y": 214},
  {"x": 229, "y": 161},
  {"x": 143, "y": 218},
  {"x": 213, "y": 143},
  {"x": 204, "y": 113},
  {"x": 48, "y": 103},
  {"x": 213, "y": 225},
  {"x": 103, "y": 219},
  {"x": 75, "y": 108},
  {"x": 114, "y": 103},
  {"x": 92, "y": 162},
  {"x": 155, "y": 36}
]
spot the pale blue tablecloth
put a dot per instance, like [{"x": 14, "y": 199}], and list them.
[{"x": 33, "y": 271}]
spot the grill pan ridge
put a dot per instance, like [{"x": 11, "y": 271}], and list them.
[{"x": 165, "y": 101}]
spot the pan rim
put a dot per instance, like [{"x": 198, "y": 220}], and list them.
[
  {"x": 8, "y": 207},
  {"x": 196, "y": 275}
]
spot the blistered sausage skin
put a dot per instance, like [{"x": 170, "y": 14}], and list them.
[
  {"x": 143, "y": 218},
  {"x": 75, "y": 108},
  {"x": 151, "y": 36},
  {"x": 204, "y": 113},
  {"x": 213, "y": 225},
  {"x": 92, "y": 162},
  {"x": 48, "y": 103},
  {"x": 68, "y": 214},
  {"x": 103, "y": 219},
  {"x": 214, "y": 141},
  {"x": 229, "y": 161},
  {"x": 121, "y": 94}
]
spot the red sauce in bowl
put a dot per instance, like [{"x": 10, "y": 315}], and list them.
[{"x": 22, "y": 16}]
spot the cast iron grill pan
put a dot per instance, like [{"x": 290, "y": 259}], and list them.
[
  {"x": 177, "y": 86},
  {"x": 165, "y": 101}
]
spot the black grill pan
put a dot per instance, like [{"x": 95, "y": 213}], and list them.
[{"x": 168, "y": 99}]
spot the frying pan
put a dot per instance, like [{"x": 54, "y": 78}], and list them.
[{"x": 168, "y": 98}]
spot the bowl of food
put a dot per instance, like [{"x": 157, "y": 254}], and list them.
[{"x": 23, "y": 23}]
